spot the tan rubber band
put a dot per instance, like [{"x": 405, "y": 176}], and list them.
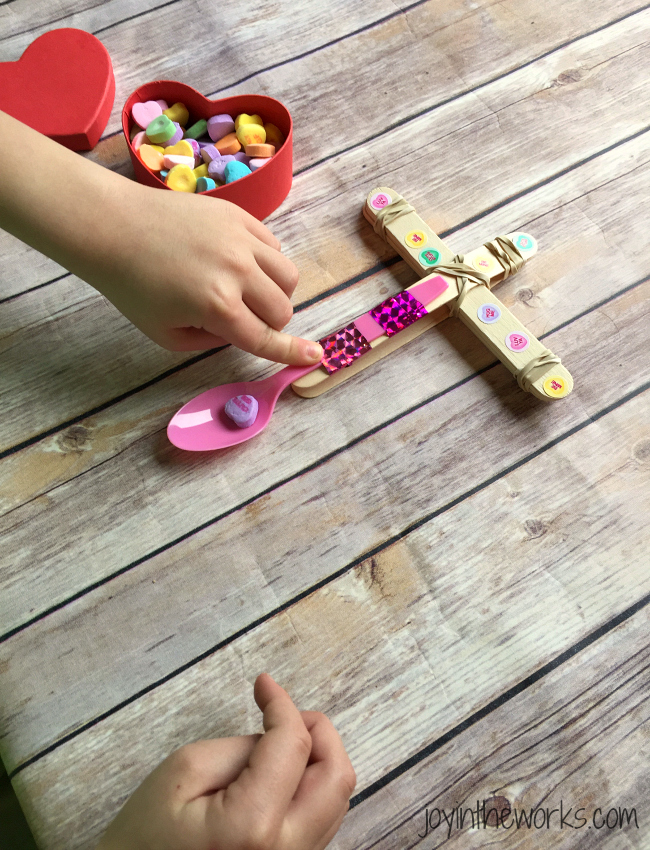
[
  {"x": 507, "y": 254},
  {"x": 386, "y": 216},
  {"x": 463, "y": 274},
  {"x": 545, "y": 359}
]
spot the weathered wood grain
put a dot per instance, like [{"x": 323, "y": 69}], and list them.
[
  {"x": 135, "y": 508},
  {"x": 339, "y": 243},
  {"x": 456, "y": 49},
  {"x": 410, "y": 642},
  {"x": 579, "y": 737},
  {"x": 207, "y": 587}
]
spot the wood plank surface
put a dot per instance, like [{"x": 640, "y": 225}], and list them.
[
  {"x": 578, "y": 737},
  {"x": 455, "y": 572},
  {"x": 325, "y": 258},
  {"x": 442, "y": 620}
]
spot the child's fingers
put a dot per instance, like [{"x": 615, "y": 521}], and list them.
[
  {"x": 323, "y": 796},
  {"x": 206, "y": 766},
  {"x": 261, "y": 231},
  {"x": 267, "y": 301},
  {"x": 278, "y": 267},
  {"x": 248, "y": 332},
  {"x": 192, "y": 339},
  {"x": 275, "y": 767}
]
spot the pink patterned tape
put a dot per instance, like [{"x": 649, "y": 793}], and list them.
[
  {"x": 342, "y": 348},
  {"x": 398, "y": 312}
]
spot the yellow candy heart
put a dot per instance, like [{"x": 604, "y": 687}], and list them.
[
  {"x": 158, "y": 148},
  {"x": 181, "y": 148},
  {"x": 247, "y": 119},
  {"x": 273, "y": 136},
  {"x": 251, "y": 134},
  {"x": 181, "y": 179},
  {"x": 201, "y": 170},
  {"x": 178, "y": 112}
]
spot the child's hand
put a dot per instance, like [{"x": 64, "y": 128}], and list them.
[
  {"x": 190, "y": 271},
  {"x": 287, "y": 789}
]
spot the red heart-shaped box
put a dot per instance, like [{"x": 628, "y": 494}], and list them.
[
  {"x": 258, "y": 193},
  {"x": 62, "y": 86}
]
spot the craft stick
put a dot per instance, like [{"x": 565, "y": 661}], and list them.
[
  {"x": 445, "y": 289},
  {"x": 537, "y": 369}
]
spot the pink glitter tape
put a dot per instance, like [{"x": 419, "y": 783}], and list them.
[
  {"x": 398, "y": 312},
  {"x": 342, "y": 348}
]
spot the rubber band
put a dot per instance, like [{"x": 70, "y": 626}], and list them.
[
  {"x": 395, "y": 209},
  {"x": 463, "y": 274},
  {"x": 507, "y": 253},
  {"x": 545, "y": 359}
]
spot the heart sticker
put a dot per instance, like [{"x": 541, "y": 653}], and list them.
[
  {"x": 62, "y": 86},
  {"x": 260, "y": 192}
]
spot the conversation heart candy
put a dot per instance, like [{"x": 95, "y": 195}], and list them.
[
  {"x": 205, "y": 184},
  {"x": 144, "y": 113},
  {"x": 178, "y": 112},
  {"x": 217, "y": 167},
  {"x": 181, "y": 148},
  {"x": 178, "y": 134},
  {"x": 195, "y": 147},
  {"x": 151, "y": 157},
  {"x": 138, "y": 140},
  {"x": 242, "y": 409},
  {"x": 160, "y": 129},
  {"x": 228, "y": 145},
  {"x": 260, "y": 151},
  {"x": 196, "y": 130},
  {"x": 162, "y": 104},
  {"x": 254, "y": 164},
  {"x": 219, "y": 126},
  {"x": 181, "y": 178},
  {"x": 251, "y": 134},
  {"x": 273, "y": 136},
  {"x": 209, "y": 152},
  {"x": 247, "y": 119},
  {"x": 201, "y": 171},
  {"x": 171, "y": 161},
  {"x": 235, "y": 170}
]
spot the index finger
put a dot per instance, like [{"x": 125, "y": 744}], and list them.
[{"x": 278, "y": 761}]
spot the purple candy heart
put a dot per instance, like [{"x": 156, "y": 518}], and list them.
[
  {"x": 240, "y": 156},
  {"x": 209, "y": 152},
  {"x": 242, "y": 409},
  {"x": 217, "y": 168},
  {"x": 219, "y": 126},
  {"x": 178, "y": 135}
]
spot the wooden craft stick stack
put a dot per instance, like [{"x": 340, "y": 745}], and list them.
[{"x": 456, "y": 285}]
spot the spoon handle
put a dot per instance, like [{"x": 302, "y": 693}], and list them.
[{"x": 281, "y": 380}]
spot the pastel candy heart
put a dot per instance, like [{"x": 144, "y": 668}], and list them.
[
  {"x": 243, "y": 118},
  {"x": 219, "y": 126},
  {"x": 242, "y": 157},
  {"x": 230, "y": 144},
  {"x": 251, "y": 134},
  {"x": 138, "y": 140},
  {"x": 181, "y": 148},
  {"x": 171, "y": 161},
  {"x": 181, "y": 178},
  {"x": 196, "y": 130},
  {"x": 273, "y": 136},
  {"x": 144, "y": 113},
  {"x": 151, "y": 157},
  {"x": 178, "y": 134},
  {"x": 242, "y": 409},
  {"x": 162, "y": 104},
  {"x": 209, "y": 152},
  {"x": 260, "y": 151},
  {"x": 178, "y": 113},
  {"x": 194, "y": 145},
  {"x": 254, "y": 164},
  {"x": 217, "y": 168},
  {"x": 205, "y": 184},
  {"x": 201, "y": 171},
  {"x": 235, "y": 170},
  {"x": 160, "y": 129}
]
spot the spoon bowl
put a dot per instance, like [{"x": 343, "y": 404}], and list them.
[{"x": 201, "y": 425}]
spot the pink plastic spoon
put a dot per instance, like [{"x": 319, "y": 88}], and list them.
[{"x": 201, "y": 425}]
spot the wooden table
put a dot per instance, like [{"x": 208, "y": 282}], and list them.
[{"x": 455, "y": 572}]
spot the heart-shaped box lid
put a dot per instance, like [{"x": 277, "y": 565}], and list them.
[
  {"x": 258, "y": 193},
  {"x": 63, "y": 86}
]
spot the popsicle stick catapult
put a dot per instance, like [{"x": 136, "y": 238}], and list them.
[{"x": 452, "y": 285}]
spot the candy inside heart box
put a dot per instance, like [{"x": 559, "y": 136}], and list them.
[{"x": 258, "y": 193}]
